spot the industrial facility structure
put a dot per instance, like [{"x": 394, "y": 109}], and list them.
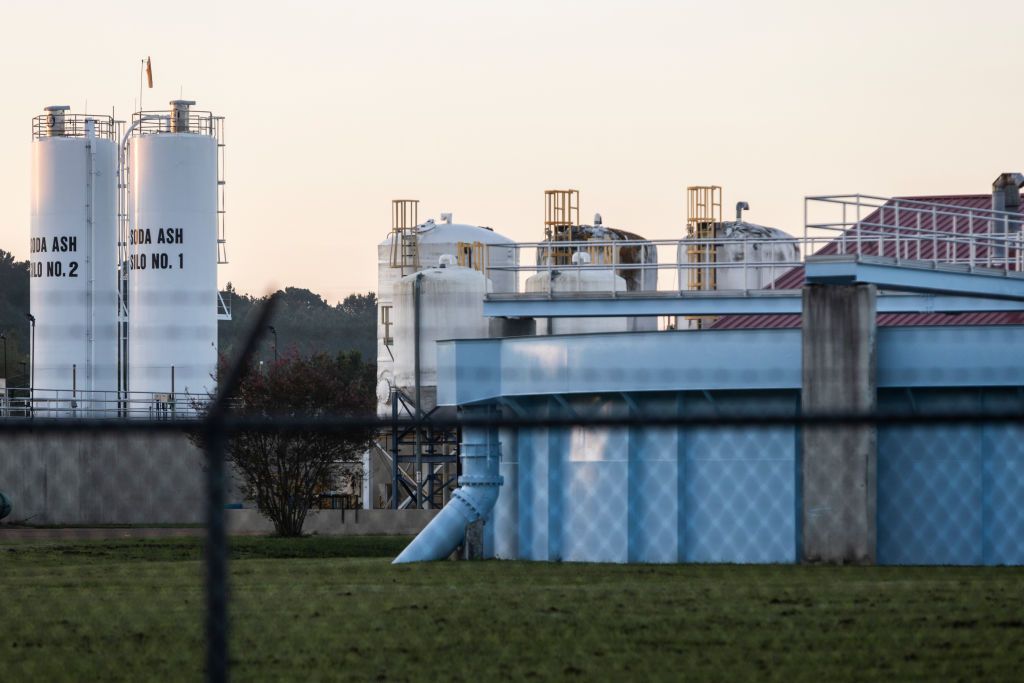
[
  {"x": 126, "y": 234},
  {"x": 900, "y": 303},
  {"x": 866, "y": 283}
]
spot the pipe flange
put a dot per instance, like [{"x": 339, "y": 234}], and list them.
[
  {"x": 468, "y": 502},
  {"x": 481, "y": 480}
]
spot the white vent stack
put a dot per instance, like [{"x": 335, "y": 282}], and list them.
[
  {"x": 73, "y": 256},
  {"x": 173, "y": 251}
]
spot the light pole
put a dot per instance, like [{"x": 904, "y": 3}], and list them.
[
  {"x": 32, "y": 356},
  {"x": 4, "y": 338},
  {"x": 273, "y": 331}
]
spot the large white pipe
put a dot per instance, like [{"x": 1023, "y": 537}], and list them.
[{"x": 472, "y": 501}]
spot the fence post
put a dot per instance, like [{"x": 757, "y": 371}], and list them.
[
  {"x": 216, "y": 556},
  {"x": 215, "y": 430}
]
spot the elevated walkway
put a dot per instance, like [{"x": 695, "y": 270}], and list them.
[{"x": 696, "y": 303}]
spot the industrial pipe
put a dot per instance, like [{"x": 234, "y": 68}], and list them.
[
  {"x": 473, "y": 500},
  {"x": 1006, "y": 198},
  {"x": 416, "y": 294}
]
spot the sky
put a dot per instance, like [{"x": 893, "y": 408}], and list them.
[{"x": 475, "y": 108}]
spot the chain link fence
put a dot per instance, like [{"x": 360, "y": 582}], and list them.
[{"x": 645, "y": 536}]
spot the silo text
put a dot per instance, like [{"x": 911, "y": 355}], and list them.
[
  {"x": 57, "y": 243},
  {"x": 163, "y": 236}
]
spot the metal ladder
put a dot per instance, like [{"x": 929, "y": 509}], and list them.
[{"x": 405, "y": 247}]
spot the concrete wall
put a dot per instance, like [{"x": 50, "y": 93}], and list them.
[
  {"x": 839, "y": 461},
  {"x": 338, "y": 522},
  {"x": 111, "y": 478}
]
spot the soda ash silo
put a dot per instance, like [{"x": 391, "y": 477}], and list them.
[
  {"x": 73, "y": 256},
  {"x": 172, "y": 252}
]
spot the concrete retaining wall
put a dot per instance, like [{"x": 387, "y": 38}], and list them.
[
  {"x": 338, "y": 522},
  {"x": 111, "y": 478}
]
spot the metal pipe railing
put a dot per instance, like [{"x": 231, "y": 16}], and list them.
[{"x": 910, "y": 231}]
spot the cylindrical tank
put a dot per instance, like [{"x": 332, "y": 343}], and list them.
[
  {"x": 583, "y": 278},
  {"x": 635, "y": 259},
  {"x": 451, "y": 306},
  {"x": 172, "y": 254},
  {"x": 749, "y": 256},
  {"x": 73, "y": 261},
  {"x": 471, "y": 246}
]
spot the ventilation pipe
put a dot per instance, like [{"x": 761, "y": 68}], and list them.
[
  {"x": 471, "y": 502},
  {"x": 740, "y": 208},
  {"x": 416, "y": 295},
  {"x": 1006, "y": 192},
  {"x": 55, "y": 119},
  {"x": 180, "y": 110},
  {"x": 1006, "y": 197}
]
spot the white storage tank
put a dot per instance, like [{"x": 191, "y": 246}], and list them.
[
  {"x": 749, "y": 256},
  {"x": 580, "y": 277},
  {"x": 172, "y": 252},
  {"x": 73, "y": 261},
  {"x": 451, "y": 306},
  {"x": 624, "y": 250},
  {"x": 471, "y": 246}
]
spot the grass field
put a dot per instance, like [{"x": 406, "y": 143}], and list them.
[{"x": 334, "y": 609}]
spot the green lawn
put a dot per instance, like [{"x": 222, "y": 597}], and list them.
[{"x": 334, "y": 609}]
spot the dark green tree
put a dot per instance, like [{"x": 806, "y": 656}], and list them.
[
  {"x": 305, "y": 324},
  {"x": 14, "y": 303}
]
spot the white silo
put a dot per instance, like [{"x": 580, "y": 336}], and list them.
[
  {"x": 450, "y": 305},
  {"x": 581, "y": 276},
  {"x": 471, "y": 246},
  {"x": 73, "y": 248},
  {"x": 747, "y": 256},
  {"x": 173, "y": 252}
]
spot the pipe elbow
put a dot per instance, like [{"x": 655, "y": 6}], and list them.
[{"x": 472, "y": 501}]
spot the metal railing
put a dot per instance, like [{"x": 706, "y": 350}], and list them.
[
  {"x": 159, "y": 121},
  {"x": 74, "y": 126},
  {"x": 24, "y": 402},
  {"x": 916, "y": 230},
  {"x": 905, "y": 230}
]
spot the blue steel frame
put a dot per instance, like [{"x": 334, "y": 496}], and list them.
[
  {"x": 916, "y": 276},
  {"x": 756, "y": 302},
  {"x": 975, "y": 474},
  {"x": 479, "y": 370},
  {"x": 970, "y": 491}
]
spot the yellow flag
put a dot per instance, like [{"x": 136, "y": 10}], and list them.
[{"x": 149, "y": 73}]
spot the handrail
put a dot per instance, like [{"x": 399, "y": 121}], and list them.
[{"x": 908, "y": 230}]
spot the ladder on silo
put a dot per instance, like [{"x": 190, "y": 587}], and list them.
[
  {"x": 703, "y": 216},
  {"x": 217, "y": 126},
  {"x": 561, "y": 217},
  {"x": 405, "y": 248}
]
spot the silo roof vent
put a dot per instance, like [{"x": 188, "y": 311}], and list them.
[
  {"x": 55, "y": 119},
  {"x": 180, "y": 115}
]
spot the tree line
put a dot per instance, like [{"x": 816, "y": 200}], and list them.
[{"x": 305, "y": 324}]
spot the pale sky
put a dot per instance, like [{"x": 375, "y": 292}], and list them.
[{"x": 475, "y": 107}]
